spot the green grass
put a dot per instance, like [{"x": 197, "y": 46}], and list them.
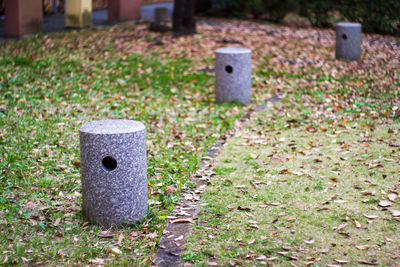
[
  {"x": 50, "y": 85},
  {"x": 302, "y": 195}
]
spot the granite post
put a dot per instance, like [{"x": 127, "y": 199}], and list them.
[
  {"x": 233, "y": 75},
  {"x": 114, "y": 171},
  {"x": 123, "y": 10},
  {"x": 348, "y": 41},
  {"x": 23, "y": 17},
  {"x": 78, "y": 13},
  {"x": 160, "y": 15}
]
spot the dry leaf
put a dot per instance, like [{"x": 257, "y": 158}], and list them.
[
  {"x": 57, "y": 222},
  {"x": 371, "y": 217},
  {"x": 152, "y": 235},
  {"x": 309, "y": 241},
  {"x": 341, "y": 261},
  {"x": 120, "y": 238},
  {"x": 251, "y": 242},
  {"x": 98, "y": 261},
  {"x": 363, "y": 247},
  {"x": 368, "y": 262},
  {"x": 385, "y": 203},
  {"x": 291, "y": 219},
  {"x": 358, "y": 225},
  {"x": 334, "y": 179},
  {"x": 105, "y": 234},
  {"x": 395, "y": 213},
  {"x": 187, "y": 220},
  {"x": 324, "y": 251},
  {"x": 340, "y": 227},
  {"x": 115, "y": 251},
  {"x": 213, "y": 263},
  {"x": 392, "y": 197},
  {"x": 260, "y": 258}
]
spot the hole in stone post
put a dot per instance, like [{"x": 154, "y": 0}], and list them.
[
  {"x": 109, "y": 163},
  {"x": 344, "y": 36},
  {"x": 229, "y": 69}
]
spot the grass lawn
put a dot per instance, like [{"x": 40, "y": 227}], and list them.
[{"x": 50, "y": 85}]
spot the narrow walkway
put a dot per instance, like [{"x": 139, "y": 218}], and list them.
[{"x": 56, "y": 23}]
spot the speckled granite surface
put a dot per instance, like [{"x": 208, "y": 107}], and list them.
[
  {"x": 348, "y": 41},
  {"x": 233, "y": 75},
  {"x": 114, "y": 171}
]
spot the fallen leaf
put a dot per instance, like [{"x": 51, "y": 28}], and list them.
[
  {"x": 341, "y": 261},
  {"x": 57, "y": 222},
  {"x": 213, "y": 263},
  {"x": 341, "y": 226},
  {"x": 120, "y": 238},
  {"x": 291, "y": 219},
  {"x": 395, "y": 213},
  {"x": 251, "y": 242},
  {"x": 385, "y": 203},
  {"x": 371, "y": 217},
  {"x": 368, "y": 262},
  {"x": 152, "y": 235},
  {"x": 115, "y": 251},
  {"x": 309, "y": 241},
  {"x": 97, "y": 261},
  {"x": 179, "y": 238},
  {"x": 260, "y": 258},
  {"x": 324, "y": 251},
  {"x": 358, "y": 225},
  {"x": 105, "y": 234},
  {"x": 61, "y": 253},
  {"x": 363, "y": 247},
  {"x": 392, "y": 197},
  {"x": 188, "y": 220}
]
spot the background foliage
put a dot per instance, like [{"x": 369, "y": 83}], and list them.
[{"x": 379, "y": 16}]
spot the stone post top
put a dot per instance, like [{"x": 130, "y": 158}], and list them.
[
  {"x": 232, "y": 50},
  {"x": 112, "y": 127},
  {"x": 348, "y": 24}
]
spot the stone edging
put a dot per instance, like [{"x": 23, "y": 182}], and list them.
[{"x": 181, "y": 222}]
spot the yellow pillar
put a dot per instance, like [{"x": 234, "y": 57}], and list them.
[{"x": 78, "y": 13}]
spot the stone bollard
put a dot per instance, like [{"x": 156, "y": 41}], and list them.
[
  {"x": 160, "y": 15},
  {"x": 78, "y": 13},
  {"x": 114, "y": 171},
  {"x": 233, "y": 75},
  {"x": 348, "y": 41}
]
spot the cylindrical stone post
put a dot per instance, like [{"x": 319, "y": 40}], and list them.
[
  {"x": 123, "y": 10},
  {"x": 233, "y": 75},
  {"x": 348, "y": 41},
  {"x": 23, "y": 17},
  {"x": 160, "y": 15},
  {"x": 114, "y": 171},
  {"x": 78, "y": 13}
]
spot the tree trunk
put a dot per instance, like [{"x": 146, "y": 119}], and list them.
[{"x": 183, "y": 21}]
